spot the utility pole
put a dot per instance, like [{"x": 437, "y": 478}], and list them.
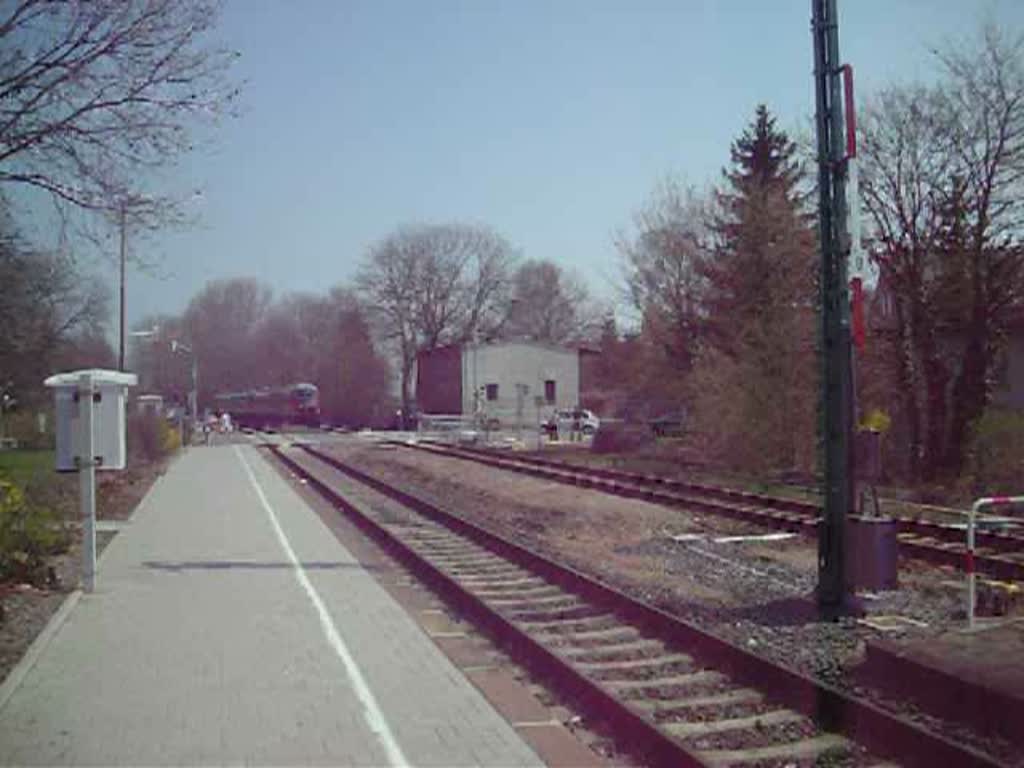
[
  {"x": 837, "y": 378},
  {"x": 120, "y": 354}
]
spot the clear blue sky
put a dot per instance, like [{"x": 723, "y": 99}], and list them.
[{"x": 549, "y": 121}]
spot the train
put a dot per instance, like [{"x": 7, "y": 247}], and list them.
[{"x": 272, "y": 406}]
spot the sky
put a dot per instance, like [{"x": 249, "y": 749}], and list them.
[{"x": 550, "y": 122}]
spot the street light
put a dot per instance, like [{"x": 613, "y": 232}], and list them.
[
  {"x": 178, "y": 346},
  {"x": 193, "y": 405},
  {"x": 124, "y": 203}
]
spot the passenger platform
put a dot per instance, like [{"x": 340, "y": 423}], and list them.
[{"x": 230, "y": 625}]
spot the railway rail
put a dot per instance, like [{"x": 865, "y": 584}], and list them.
[
  {"x": 669, "y": 692},
  {"x": 996, "y": 553}
]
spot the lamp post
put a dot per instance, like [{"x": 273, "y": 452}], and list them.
[
  {"x": 193, "y": 395},
  {"x": 178, "y": 346},
  {"x": 137, "y": 203}
]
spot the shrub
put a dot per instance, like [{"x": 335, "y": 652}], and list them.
[
  {"x": 995, "y": 455},
  {"x": 150, "y": 437},
  {"x": 28, "y": 533},
  {"x": 23, "y": 426},
  {"x": 170, "y": 438},
  {"x": 620, "y": 437}
]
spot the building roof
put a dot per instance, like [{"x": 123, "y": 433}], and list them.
[
  {"x": 568, "y": 348},
  {"x": 99, "y": 376}
]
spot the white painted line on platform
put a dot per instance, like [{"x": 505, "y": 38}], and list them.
[
  {"x": 755, "y": 537},
  {"x": 374, "y": 716}
]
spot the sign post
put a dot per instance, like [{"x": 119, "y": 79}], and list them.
[
  {"x": 90, "y": 418},
  {"x": 538, "y": 402},
  {"x": 86, "y": 461}
]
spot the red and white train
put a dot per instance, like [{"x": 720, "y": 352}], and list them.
[{"x": 272, "y": 406}]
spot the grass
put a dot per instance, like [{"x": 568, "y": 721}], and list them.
[{"x": 24, "y": 465}]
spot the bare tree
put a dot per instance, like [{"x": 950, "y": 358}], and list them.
[
  {"x": 941, "y": 176},
  {"x": 987, "y": 210},
  {"x": 387, "y": 283},
  {"x": 662, "y": 263},
  {"x": 904, "y": 168},
  {"x": 354, "y": 378},
  {"x": 325, "y": 340},
  {"x": 293, "y": 336},
  {"x": 548, "y": 304},
  {"x": 427, "y": 286},
  {"x": 96, "y": 95},
  {"x": 45, "y": 303},
  {"x": 220, "y": 325}
]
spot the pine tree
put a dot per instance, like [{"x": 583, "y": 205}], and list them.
[
  {"x": 764, "y": 240},
  {"x": 759, "y": 307},
  {"x": 764, "y": 156}
]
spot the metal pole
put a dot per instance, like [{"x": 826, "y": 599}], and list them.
[
  {"x": 837, "y": 385},
  {"x": 969, "y": 560},
  {"x": 120, "y": 356},
  {"x": 194, "y": 394},
  {"x": 87, "y": 480}
]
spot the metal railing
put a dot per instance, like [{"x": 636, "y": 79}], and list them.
[{"x": 976, "y": 507}]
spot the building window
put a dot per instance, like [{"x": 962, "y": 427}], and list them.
[
  {"x": 492, "y": 391},
  {"x": 549, "y": 391}
]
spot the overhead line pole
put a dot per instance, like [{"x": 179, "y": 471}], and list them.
[{"x": 837, "y": 378}]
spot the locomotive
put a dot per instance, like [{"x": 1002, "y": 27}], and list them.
[{"x": 272, "y": 406}]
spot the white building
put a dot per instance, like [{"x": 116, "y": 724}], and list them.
[{"x": 512, "y": 382}]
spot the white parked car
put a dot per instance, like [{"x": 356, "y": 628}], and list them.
[{"x": 564, "y": 420}]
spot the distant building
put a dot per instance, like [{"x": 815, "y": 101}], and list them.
[
  {"x": 153, "y": 404},
  {"x": 502, "y": 380}
]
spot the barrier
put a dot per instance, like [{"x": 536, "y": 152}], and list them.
[
  {"x": 448, "y": 428},
  {"x": 976, "y": 507}
]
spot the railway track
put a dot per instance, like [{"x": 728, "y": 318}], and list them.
[
  {"x": 998, "y": 555},
  {"x": 668, "y": 692}
]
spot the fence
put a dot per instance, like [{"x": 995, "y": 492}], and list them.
[
  {"x": 449, "y": 428},
  {"x": 980, "y": 504}
]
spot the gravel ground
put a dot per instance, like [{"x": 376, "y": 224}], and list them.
[{"x": 756, "y": 594}]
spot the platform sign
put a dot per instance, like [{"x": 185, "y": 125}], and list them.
[{"x": 90, "y": 434}]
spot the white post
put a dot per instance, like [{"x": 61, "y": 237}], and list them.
[
  {"x": 87, "y": 480},
  {"x": 969, "y": 563},
  {"x": 194, "y": 394}
]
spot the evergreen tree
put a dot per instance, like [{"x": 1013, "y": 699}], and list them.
[
  {"x": 756, "y": 379},
  {"x": 764, "y": 156},
  {"x": 764, "y": 244}
]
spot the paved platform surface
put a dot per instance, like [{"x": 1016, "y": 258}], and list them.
[
  {"x": 973, "y": 677},
  {"x": 230, "y": 626},
  {"x": 992, "y": 656}
]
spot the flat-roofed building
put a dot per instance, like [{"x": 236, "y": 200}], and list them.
[{"x": 502, "y": 380}]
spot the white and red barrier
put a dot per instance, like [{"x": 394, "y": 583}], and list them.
[{"x": 976, "y": 507}]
